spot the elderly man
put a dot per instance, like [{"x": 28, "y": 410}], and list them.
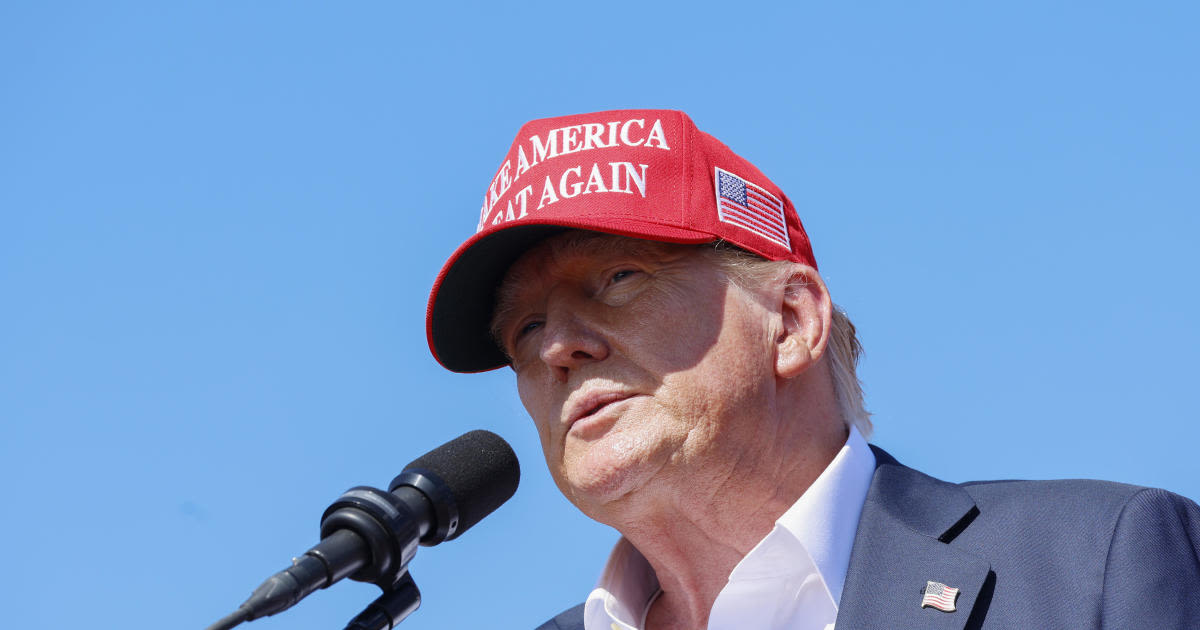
[{"x": 693, "y": 387}]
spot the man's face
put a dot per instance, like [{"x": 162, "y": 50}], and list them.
[{"x": 642, "y": 366}]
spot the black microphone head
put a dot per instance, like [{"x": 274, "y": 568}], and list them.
[{"x": 466, "y": 479}]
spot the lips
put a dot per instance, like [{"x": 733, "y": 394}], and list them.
[{"x": 587, "y": 404}]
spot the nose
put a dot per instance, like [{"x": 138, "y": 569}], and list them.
[{"x": 570, "y": 341}]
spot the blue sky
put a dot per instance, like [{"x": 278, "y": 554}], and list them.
[{"x": 219, "y": 223}]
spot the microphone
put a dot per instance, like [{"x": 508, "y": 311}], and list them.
[{"x": 370, "y": 535}]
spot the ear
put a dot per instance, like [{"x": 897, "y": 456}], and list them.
[{"x": 807, "y": 313}]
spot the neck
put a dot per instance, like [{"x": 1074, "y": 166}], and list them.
[{"x": 695, "y": 537}]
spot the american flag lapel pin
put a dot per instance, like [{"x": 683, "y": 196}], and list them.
[{"x": 939, "y": 596}]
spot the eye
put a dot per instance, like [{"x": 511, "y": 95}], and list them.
[
  {"x": 623, "y": 274},
  {"x": 524, "y": 329}
]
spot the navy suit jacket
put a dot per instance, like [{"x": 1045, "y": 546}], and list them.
[{"x": 1024, "y": 555}]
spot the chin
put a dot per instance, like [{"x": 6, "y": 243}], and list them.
[{"x": 601, "y": 477}]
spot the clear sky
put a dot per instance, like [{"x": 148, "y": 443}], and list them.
[{"x": 219, "y": 223}]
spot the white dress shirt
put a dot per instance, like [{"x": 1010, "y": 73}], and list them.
[{"x": 793, "y": 578}]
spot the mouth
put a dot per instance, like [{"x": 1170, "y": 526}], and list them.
[{"x": 593, "y": 403}]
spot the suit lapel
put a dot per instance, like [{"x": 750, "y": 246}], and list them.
[{"x": 902, "y": 541}]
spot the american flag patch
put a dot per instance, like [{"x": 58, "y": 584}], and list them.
[
  {"x": 939, "y": 596},
  {"x": 750, "y": 207}
]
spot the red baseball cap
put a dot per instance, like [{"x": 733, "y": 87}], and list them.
[{"x": 648, "y": 174}]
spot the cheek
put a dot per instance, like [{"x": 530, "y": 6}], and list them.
[
  {"x": 734, "y": 373},
  {"x": 537, "y": 406},
  {"x": 671, "y": 335}
]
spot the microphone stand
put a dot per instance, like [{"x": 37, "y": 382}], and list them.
[{"x": 397, "y": 602}]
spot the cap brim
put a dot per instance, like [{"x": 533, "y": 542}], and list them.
[
  {"x": 459, "y": 315},
  {"x": 460, "y": 306}
]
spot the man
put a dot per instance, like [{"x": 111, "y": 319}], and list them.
[{"x": 693, "y": 387}]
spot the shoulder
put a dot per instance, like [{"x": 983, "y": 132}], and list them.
[
  {"x": 1153, "y": 556},
  {"x": 1156, "y": 528},
  {"x": 1123, "y": 545},
  {"x": 1077, "y": 513},
  {"x": 1105, "y": 550},
  {"x": 1070, "y": 497},
  {"x": 570, "y": 619},
  {"x": 1084, "y": 501}
]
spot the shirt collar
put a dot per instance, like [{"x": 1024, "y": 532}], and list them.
[
  {"x": 624, "y": 591},
  {"x": 824, "y": 521},
  {"x": 825, "y": 518}
]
